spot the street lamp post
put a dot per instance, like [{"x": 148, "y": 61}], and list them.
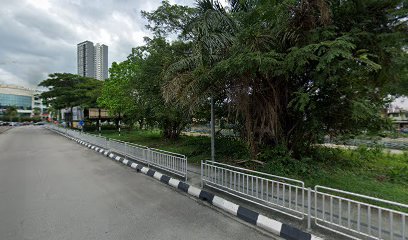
[
  {"x": 119, "y": 124},
  {"x": 99, "y": 121},
  {"x": 212, "y": 130}
]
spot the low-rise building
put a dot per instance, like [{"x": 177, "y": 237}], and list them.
[
  {"x": 27, "y": 101},
  {"x": 399, "y": 117}
]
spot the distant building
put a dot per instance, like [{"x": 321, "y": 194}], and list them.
[
  {"x": 26, "y": 101},
  {"x": 92, "y": 60},
  {"x": 86, "y": 59},
  {"x": 399, "y": 117},
  {"x": 101, "y": 61}
]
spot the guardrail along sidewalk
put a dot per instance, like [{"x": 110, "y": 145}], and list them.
[
  {"x": 168, "y": 161},
  {"x": 352, "y": 215}
]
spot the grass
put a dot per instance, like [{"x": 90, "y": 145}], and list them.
[{"x": 366, "y": 171}]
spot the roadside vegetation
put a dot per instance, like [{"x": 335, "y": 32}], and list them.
[
  {"x": 283, "y": 75},
  {"x": 366, "y": 171}
]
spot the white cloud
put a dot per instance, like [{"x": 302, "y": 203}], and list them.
[
  {"x": 401, "y": 102},
  {"x": 9, "y": 78}
]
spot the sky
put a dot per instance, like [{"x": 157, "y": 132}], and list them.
[{"x": 39, "y": 37}]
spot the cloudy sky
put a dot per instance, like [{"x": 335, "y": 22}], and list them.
[{"x": 39, "y": 37}]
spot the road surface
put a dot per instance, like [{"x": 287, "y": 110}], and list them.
[{"x": 53, "y": 188}]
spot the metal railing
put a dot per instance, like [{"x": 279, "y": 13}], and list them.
[
  {"x": 168, "y": 161},
  {"x": 352, "y": 215},
  {"x": 94, "y": 139},
  {"x": 282, "y": 194},
  {"x": 177, "y": 163},
  {"x": 339, "y": 211}
]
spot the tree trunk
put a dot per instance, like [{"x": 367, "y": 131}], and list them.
[
  {"x": 141, "y": 124},
  {"x": 71, "y": 118},
  {"x": 172, "y": 130}
]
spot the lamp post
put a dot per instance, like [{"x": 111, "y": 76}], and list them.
[
  {"x": 212, "y": 130},
  {"x": 99, "y": 121},
  {"x": 119, "y": 123}
]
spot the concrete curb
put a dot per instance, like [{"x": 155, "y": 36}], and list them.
[{"x": 281, "y": 229}]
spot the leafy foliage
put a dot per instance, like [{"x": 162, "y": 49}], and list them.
[
  {"x": 66, "y": 90},
  {"x": 285, "y": 72},
  {"x": 295, "y": 70}
]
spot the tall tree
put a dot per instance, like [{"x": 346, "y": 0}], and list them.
[
  {"x": 66, "y": 90},
  {"x": 170, "y": 20},
  {"x": 119, "y": 95},
  {"x": 155, "y": 56},
  {"x": 296, "y": 70}
]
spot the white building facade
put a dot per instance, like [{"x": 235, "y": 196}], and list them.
[
  {"x": 101, "y": 61},
  {"x": 27, "y": 101}
]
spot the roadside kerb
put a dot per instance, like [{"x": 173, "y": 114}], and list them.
[{"x": 281, "y": 229}]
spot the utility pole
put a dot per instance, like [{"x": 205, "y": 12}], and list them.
[
  {"x": 119, "y": 124},
  {"x": 99, "y": 121},
  {"x": 212, "y": 130}
]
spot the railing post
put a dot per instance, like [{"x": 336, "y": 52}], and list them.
[
  {"x": 147, "y": 157},
  {"x": 150, "y": 157},
  {"x": 186, "y": 167},
  {"x": 309, "y": 209},
  {"x": 201, "y": 176}
]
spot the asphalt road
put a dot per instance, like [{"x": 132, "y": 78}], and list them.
[
  {"x": 52, "y": 188},
  {"x": 4, "y": 128}
]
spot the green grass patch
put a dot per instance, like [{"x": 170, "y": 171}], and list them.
[{"x": 365, "y": 171}]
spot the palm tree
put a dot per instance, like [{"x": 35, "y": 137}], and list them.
[{"x": 213, "y": 32}]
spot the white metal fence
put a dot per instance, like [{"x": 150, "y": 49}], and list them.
[
  {"x": 356, "y": 215},
  {"x": 352, "y": 215},
  {"x": 168, "y": 161},
  {"x": 279, "y": 193}
]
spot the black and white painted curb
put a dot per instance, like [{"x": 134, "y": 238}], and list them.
[{"x": 281, "y": 229}]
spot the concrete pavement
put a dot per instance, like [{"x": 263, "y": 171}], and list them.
[{"x": 52, "y": 188}]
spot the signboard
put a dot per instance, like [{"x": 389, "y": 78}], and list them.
[{"x": 94, "y": 113}]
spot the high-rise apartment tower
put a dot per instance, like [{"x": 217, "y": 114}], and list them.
[
  {"x": 92, "y": 60},
  {"x": 101, "y": 61},
  {"x": 86, "y": 59}
]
